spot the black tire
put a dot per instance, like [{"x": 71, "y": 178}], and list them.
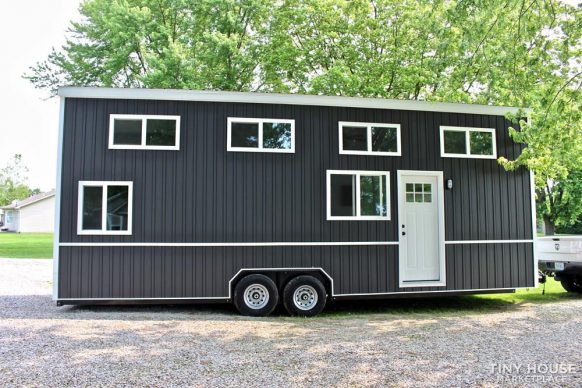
[
  {"x": 572, "y": 284},
  {"x": 256, "y": 295},
  {"x": 310, "y": 294}
]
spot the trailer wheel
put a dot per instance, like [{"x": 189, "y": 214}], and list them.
[
  {"x": 256, "y": 295},
  {"x": 304, "y": 296},
  {"x": 572, "y": 284}
]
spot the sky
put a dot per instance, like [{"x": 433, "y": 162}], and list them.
[{"x": 28, "y": 31}]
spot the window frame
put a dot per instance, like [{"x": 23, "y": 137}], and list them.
[
  {"x": 467, "y": 130},
  {"x": 144, "y": 119},
  {"x": 369, "y": 126},
  {"x": 104, "y": 185},
  {"x": 259, "y": 122},
  {"x": 358, "y": 216}
]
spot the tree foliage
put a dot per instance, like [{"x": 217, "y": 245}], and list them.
[
  {"x": 206, "y": 44},
  {"x": 13, "y": 182},
  {"x": 503, "y": 52}
]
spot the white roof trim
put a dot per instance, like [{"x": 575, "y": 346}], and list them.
[
  {"x": 20, "y": 206},
  {"x": 286, "y": 99}
]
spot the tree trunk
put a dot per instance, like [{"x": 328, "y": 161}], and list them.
[{"x": 548, "y": 226}]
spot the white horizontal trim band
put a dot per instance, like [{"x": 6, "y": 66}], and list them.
[
  {"x": 488, "y": 241},
  {"x": 225, "y": 244},
  {"x": 273, "y": 244},
  {"x": 275, "y": 98}
]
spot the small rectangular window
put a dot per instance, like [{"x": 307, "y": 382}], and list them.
[
  {"x": 104, "y": 207},
  {"x": 260, "y": 135},
  {"x": 358, "y": 195},
  {"x": 418, "y": 192},
  {"x": 455, "y": 142},
  {"x": 369, "y": 138},
  {"x": 127, "y": 132},
  {"x": 152, "y": 132},
  {"x": 465, "y": 142},
  {"x": 355, "y": 138}
]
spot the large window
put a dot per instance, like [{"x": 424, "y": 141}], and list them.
[
  {"x": 260, "y": 135},
  {"x": 463, "y": 142},
  {"x": 144, "y": 132},
  {"x": 358, "y": 195},
  {"x": 104, "y": 207},
  {"x": 369, "y": 138}
]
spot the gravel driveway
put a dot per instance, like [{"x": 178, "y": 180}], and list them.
[{"x": 45, "y": 345}]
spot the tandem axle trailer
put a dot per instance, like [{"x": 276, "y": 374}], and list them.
[{"x": 168, "y": 196}]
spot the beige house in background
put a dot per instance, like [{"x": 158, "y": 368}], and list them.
[{"x": 33, "y": 214}]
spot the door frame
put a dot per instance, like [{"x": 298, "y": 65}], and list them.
[{"x": 441, "y": 227}]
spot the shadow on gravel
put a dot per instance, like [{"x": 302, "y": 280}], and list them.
[
  {"x": 43, "y": 307},
  {"x": 451, "y": 306}
]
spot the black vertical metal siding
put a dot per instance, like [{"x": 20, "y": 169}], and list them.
[{"x": 202, "y": 193}]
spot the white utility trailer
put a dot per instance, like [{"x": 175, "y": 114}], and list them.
[{"x": 561, "y": 257}]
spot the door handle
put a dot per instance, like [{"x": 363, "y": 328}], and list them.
[{"x": 403, "y": 233}]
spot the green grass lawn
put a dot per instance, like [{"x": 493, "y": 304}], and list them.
[
  {"x": 553, "y": 292},
  {"x": 26, "y": 245}
]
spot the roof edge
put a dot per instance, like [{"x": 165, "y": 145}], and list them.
[
  {"x": 17, "y": 207},
  {"x": 285, "y": 99}
]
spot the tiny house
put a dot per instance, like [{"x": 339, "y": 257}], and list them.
[{"x": 175, "y": 196}]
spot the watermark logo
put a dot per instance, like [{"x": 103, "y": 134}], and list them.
[{"x": 533, "y": 373}]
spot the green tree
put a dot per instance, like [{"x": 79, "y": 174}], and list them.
[
  {"x": 13, "y": 182},
  {"x": 502, "y": 52},
  {"x": 205, "y": 44}
]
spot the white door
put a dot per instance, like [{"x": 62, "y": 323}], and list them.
[{"x": 420, "y": 217}]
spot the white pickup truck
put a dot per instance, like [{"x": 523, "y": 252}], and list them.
[{"x": 561, "y": 257}]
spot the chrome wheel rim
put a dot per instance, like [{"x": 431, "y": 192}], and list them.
[
  {"x": 256, "y": 296},
  {"x": 305, "y": 297}
]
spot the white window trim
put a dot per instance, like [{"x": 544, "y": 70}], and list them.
[
  {"x": 357, "y": 217},
  {"x": 368, "y": 126},
  {"x": 260, "y": 122},
  {"x": 144, "y": 119},
  {"x": 467, "y": 131},
  {"x": 103, "y": 230}
]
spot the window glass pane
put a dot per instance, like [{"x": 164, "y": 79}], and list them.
[
  {"x": 342, "y": 195},
  {"x": 161, "y": 132},
  {"x": 384, "y": 139},
  {"x": 481, "y": 143},
  {"x": 117, "y": 207},
  {"x": 427, "y": 188},
  {"x": 126, "y": 132},
  {"x": 428, "y": 198},
  {"x": 245, "y": 135},
  {"x": 410, "y": 197},
  {"x": 455, "y": 142},
  {"x": 418, "y": 197},
  {"x": 277, "y": 135},
  {"x": 409, "y": 187},
  {"x": 355, "y": 138},
  {"x": 92, "y": 204},
  {"x": 418, "y": 187},
  {"x": 373, "y": 195}
]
